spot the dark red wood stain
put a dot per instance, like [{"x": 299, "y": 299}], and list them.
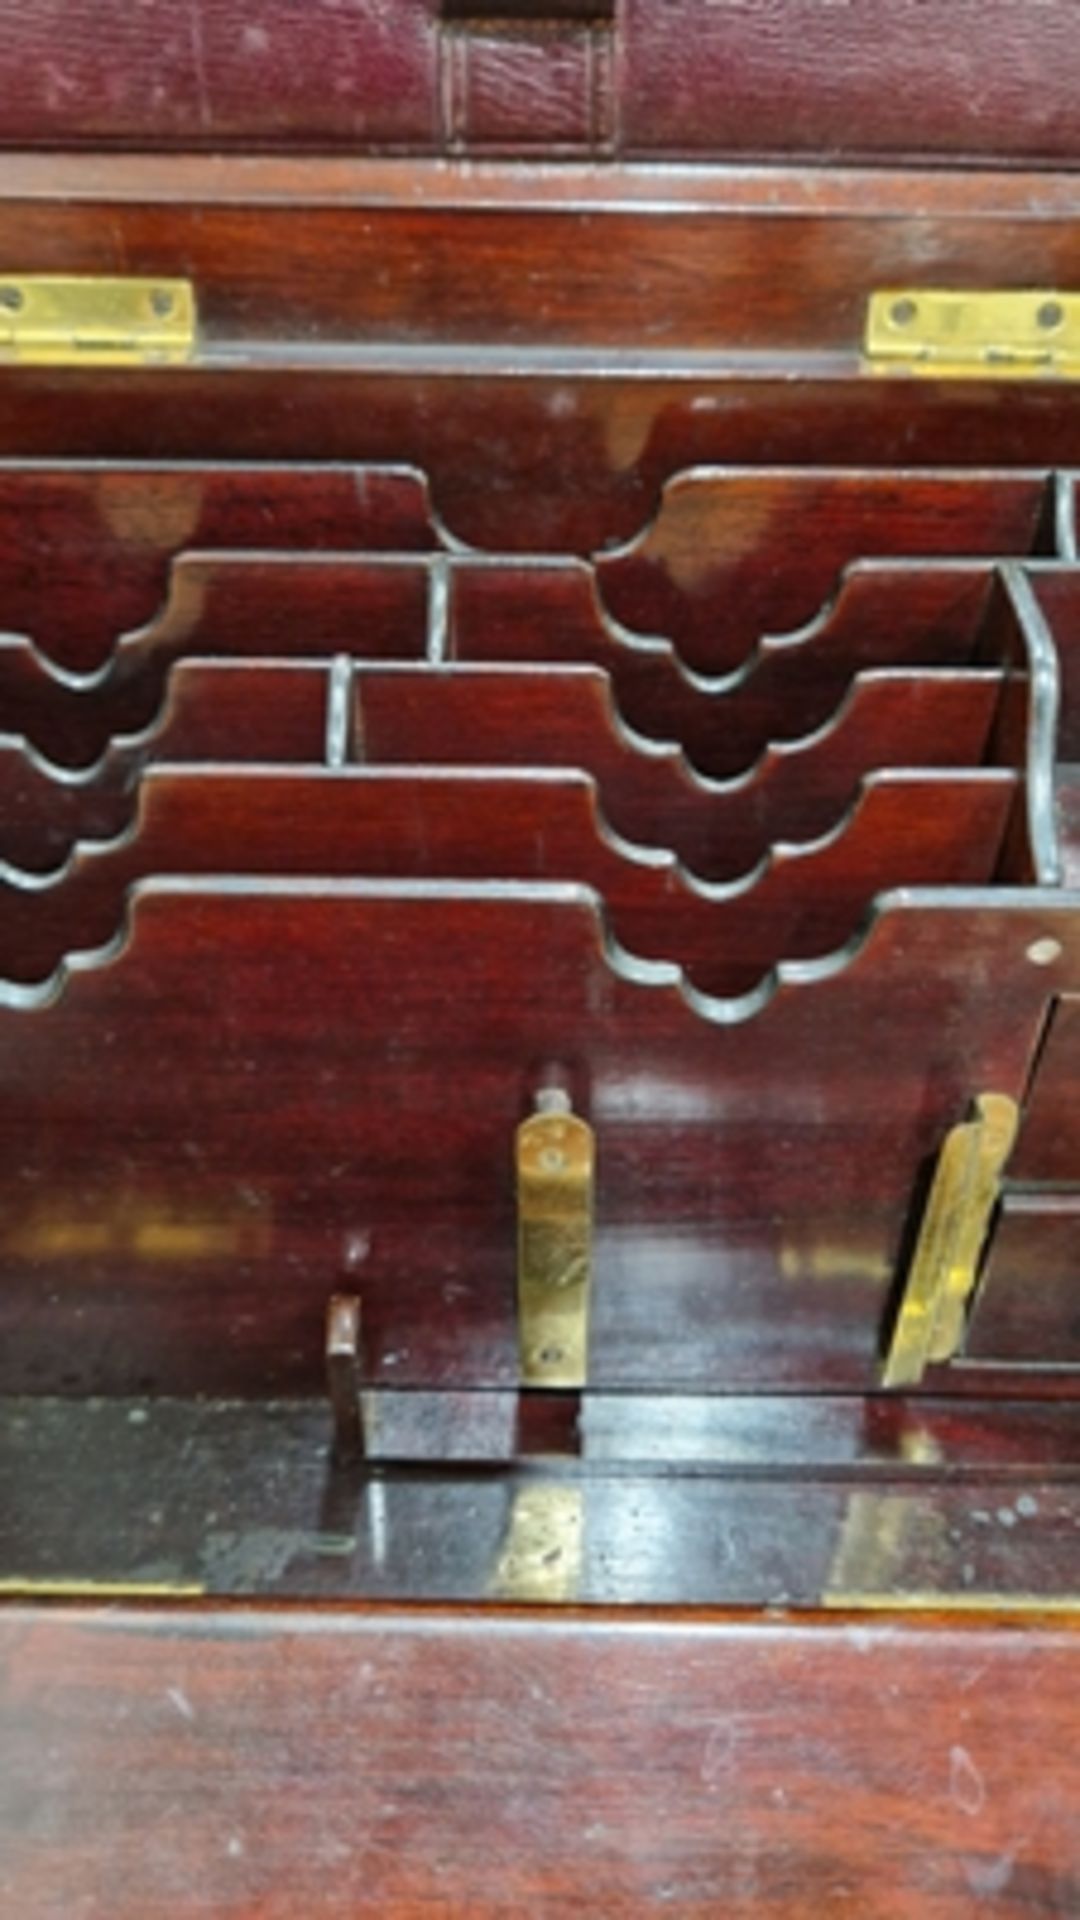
[
  {"x": 277, "y": 1136},
  {"x": 700, "y": 576},
  {"x": 504, "y": 509},
  {"x": 324, "y": 1764},
  {"x": 801, "y": 901}
]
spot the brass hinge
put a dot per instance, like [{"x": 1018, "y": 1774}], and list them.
[
  {"x": 555, "y": 1154},
  {"x": 967, "y": 335},
  {"x": 67, "y": 320},
  {"x": 932, "y": 1318}
]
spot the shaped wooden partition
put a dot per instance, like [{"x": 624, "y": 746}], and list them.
[
  {"x": 649, "y": 794},
  {"x": 732, "y": 555},
  {"x": 298, "y": 607},
  {"x": 253, "y": 605},
  {"x": 905, "y": 830},
  {"x": 86, "y": 548},
  {"x": 327, "y": 1069},
  {"x": 277, "y": 712},
  {"x": 886, "y": 614}
]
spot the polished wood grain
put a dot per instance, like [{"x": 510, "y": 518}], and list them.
[
  {"x": 660, "y": 1500},
  {"x": 584, "y": 442},
  {"x": 501, "y": 612},
  {"x": 896, "y": 615},
  {"x": 1027, "y": 1305},
  {"x": 647, "y": 793},
  {"x": 329, "y": 1763},
  {"x": 85, "y": 550},
  {"x": 1046, "y": 1148},
  {"x": 265, "y": 1090},
  {"x": 239, "y": 711},
  {"x": 699, "y": 575},
  {"x": 285, "y": 606},
  {"x": 186, "y": 1221},
  {"x": 344, "y": 319},
  {"x": 803, "y": 902}
]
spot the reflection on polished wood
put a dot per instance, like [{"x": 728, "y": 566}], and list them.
[{"x": 522, "y": 543}]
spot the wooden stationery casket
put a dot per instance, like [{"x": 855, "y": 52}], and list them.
[{"x": 539, "y": 957}]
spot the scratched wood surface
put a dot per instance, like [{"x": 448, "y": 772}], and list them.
[
  {"x": 212, "y": 1763},
  {"x": 665, "y": 1500}
]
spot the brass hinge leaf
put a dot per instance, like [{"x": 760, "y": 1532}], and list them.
[
  {"x": 68, "y": 320},
  {"x": 973, "y": 334},
  {"x": 932, "y": 1318}
]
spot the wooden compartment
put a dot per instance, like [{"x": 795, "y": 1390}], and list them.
[{"x": 530, "y": 666}]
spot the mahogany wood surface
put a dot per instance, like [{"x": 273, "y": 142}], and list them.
[
  {"x": 304, "y": 1077},
  {"x": 252, "y": 711},
  {"x": 350, "y": 256},
  {"x": 906, "y": 614},
  {"x": 1045, "y": 1150},
  {"x": 345, "y": 320},
  {"x": 645, "y": 1499},
  {"x": 240, "y": 711},
  {"x": 412, "y": 1763},
  {"x": 286, "y": 606},
  {"x": 582, "y": 451},
  {"x": 1028, "y": 1305},
  {"x": 304, "y": 1043},
  {"x": 85, "y": 549},
  {"x": 699, "y": 574},
  {"x": 801, "y": 902},
  {"x": 479, "y": 717}
]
